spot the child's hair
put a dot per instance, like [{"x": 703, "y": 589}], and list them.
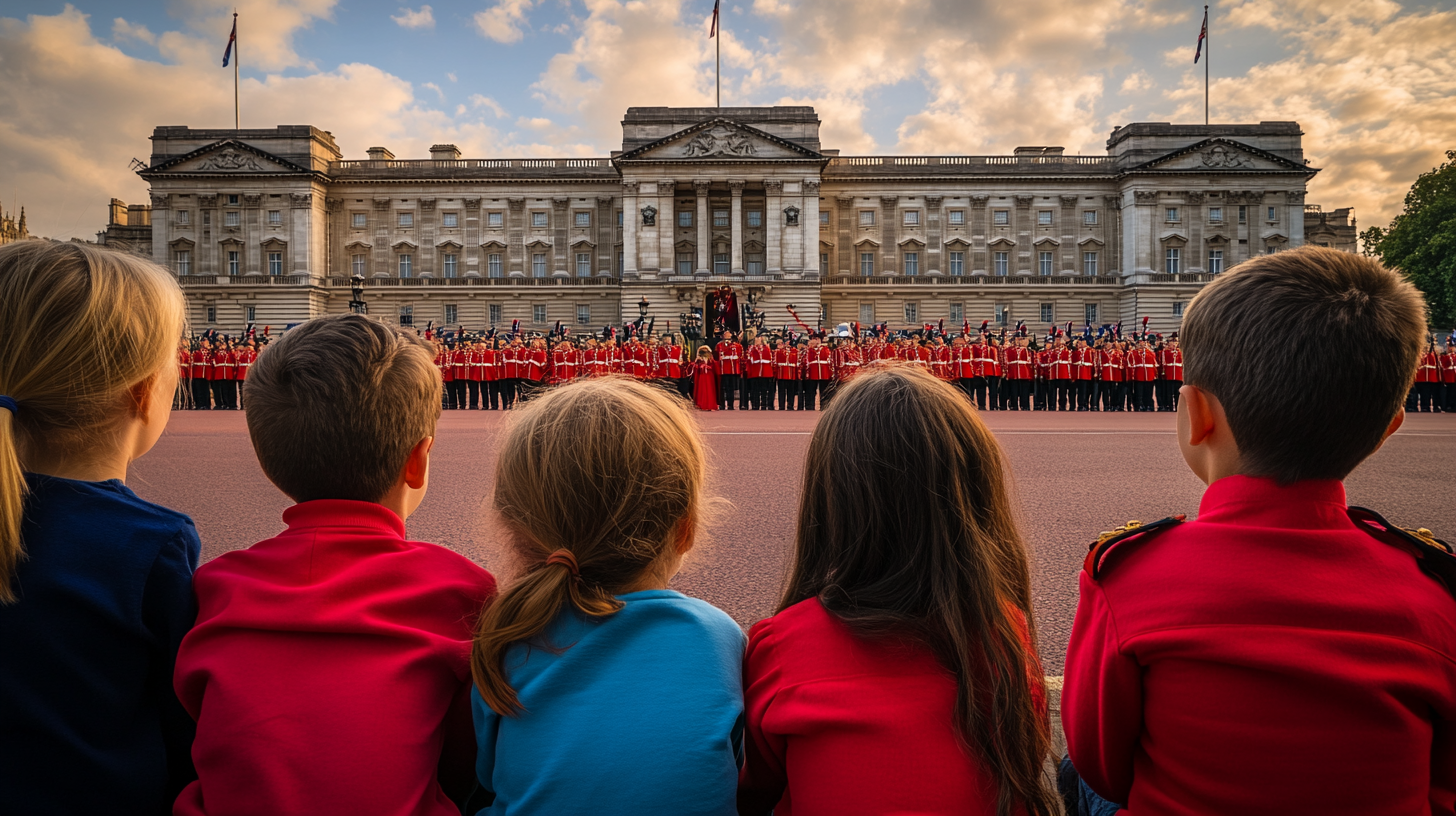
[
  {"x": 704, "y": 352},
  {"x": 906, "y": 528},
  {"x": 337, "y": 404},
  {"x": 611, "y": 471},
  {"x": 81, "y": 326},
  {"x": 1310, "y": 352}
]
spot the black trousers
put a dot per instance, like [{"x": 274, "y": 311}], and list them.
[
  {"x": 788, "y": 393},
  {"x": 1450, "y": 391},
  {"x": 1064, "y": 394},
  {"x": 1143, "y": 398},
  {"x": 1429, "y": 396},
  {"x": 978, "y": 391},
  {"x": 1114, "y": 396},
  {"x": 490, "y": 395},
  {"x": 993, "y": 393},
  {"x": 809, "y": 390},
  {"x": 754, "y": 388},
  {"x": 728, "y": 385},
  {"x": 1039, "y": 390},
  {"x": 1173, "y": 387},
  {"x": 473, "y": 387},
  {"x": 1021, "y": 390},
  {"x": 510, "y": 387},
  {"x": 1084, "y": 395}
]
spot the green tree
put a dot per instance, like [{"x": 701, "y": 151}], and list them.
[{"x": 1421, "y": 241}]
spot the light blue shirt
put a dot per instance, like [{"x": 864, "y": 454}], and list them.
[{"x": 640, "y": 712}]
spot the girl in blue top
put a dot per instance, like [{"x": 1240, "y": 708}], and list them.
[
  {"x": 597, "y": 688},
  {"x": 95, "y": 584}
]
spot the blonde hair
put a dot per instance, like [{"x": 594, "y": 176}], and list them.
[
  {"x": 82, "y": 325},
  {"x": 609, "y": 470}
]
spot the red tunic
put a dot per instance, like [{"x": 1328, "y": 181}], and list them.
[
  {"x": 1111, "y": 363},
  {"x": 1448, "y": 367},
  {"x": 442, "y": 362},
  {"x": 818, "y": 363},
  {"x": 1142, "y": 365},
  {"x": 940, "y": 362},
  {"x": 635, "y": 359},
  {"x": 964, "y": 362},
  {"x": 1086, "y": 361},
  {"x": 849, "y": 363},
  {"x": 1059, "y": 363},
  {"x": 490, "y": 365},
  {"x": 760, "y": 361},
  {"x": 476, "y": 361},
  {"x": 786, "y": 364},
  {"x": 1268, "y": 658},
  {"x": 669, "y": 362},
  {"x": 991, "y": 361},
  {"x": 705, "y": 384},
  {"x": 460, "y": 363},
  {"x": 730, "y": 357},
  {"x": 1428, "y": 368},
  {"x": 1172, "y": 363},
  {"x": 1018, "y": 363},
  {"x": 245, "y": 359}
]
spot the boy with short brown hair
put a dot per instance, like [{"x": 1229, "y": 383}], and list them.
[
  {"x": 1283, "y": 653},
  {"x": 329, "y": 670}
]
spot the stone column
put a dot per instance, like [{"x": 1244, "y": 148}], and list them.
[
  {"x": 425, "y": 226},
  {"x": 848, "y": 264},
  {"x": 705, "y": 234},
  {"x": 934, "y": 236},
  {"x": 516, "y": 237},
  {"x": 889, "y": 252},
  {"x": 1025, "y": 232},
  {"x": 1141, "y": 230},
  {"x": 735, "y": 241},
  {"x": 383, "y": 253},
  {"x": 1068, "y": 216},
  {"x": 1295, "y": 201},
  {"x": 809, "y": 229},
  {"x": 336, "y": 258},
  {"x": 1193, "y": 216},
  {"x": 667, "y": 227},
  {"x": 208, "y": 220},
  {"x": 647, "y": 246},
  {"x": 162, "y": 235},
  {"x": 252, "y": 234},
  {"x": 630, "y": 218},
  {"x": 774, "y": 226},
  {"x": 473, "y": 263},
  {"x": 300, "y": 238},
  {"x": 559, "y": 235},
  {"x": 980, "y": 229},
  {"x": 1112, "y": 264},
  {"x": 606, "y": 235}
]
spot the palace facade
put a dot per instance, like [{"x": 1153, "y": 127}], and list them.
[{"x": 269, "y": 226}]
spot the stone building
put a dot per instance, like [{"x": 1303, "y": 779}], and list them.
[
  {"x": 268, "y": 226},
  {"x": 128, "y": 228},
  {"x": 13, "y": 228},
  {"x": 1331, "y": 229}
]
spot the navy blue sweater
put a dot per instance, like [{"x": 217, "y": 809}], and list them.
[{"x": 88, "y": 719}]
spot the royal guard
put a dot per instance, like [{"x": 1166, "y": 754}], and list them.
[
  {"x": 653, "y": 352},
  {"x": 616, "y": 360},
  {"x": 565, "y": 361},
  {"x": 460, "y": 362},
  {"x": 1428, "y": 380},
  {"x": 963, "y": 366},
  {"x": 992, "y": 371},
  {"x": 1448, "y": 376},
  {"x": 1042, "y": 361},
  {"x": 1114, "y": 389},
  {"x": 1142, "y": 367},
  {"x": 475, "y": 364},
  {"x": 1085, "y": 361},
  {"x": 533, "y": 362},
  {"x": 671, "y": 368},
  {"x": 183, "y": 395},
  {"x": 246, "y": 356},
  {"x": 817, "y": 372},
  {"x": 918, "y": 354},
  {"x": 760, "y": 374},
  {"x": 729, "y": 356},
  {"x": 786, "y": 372},
  {"x": 1060, "y": 367},
  {"x": 1020, "y": 372},
  {"x": 634, "y": 357},
  {"x": 491, "y": 368},
  {"x": 849, "y": 362},
  {"x": 447, "y": 374},
  {"x": 1170, "y": 360},
  {"x": 222, "y": 376},
  {"x": 941, "y": 359}
]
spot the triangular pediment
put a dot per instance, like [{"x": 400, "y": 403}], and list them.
[
  {"x": 720, "y": 140},
  {"x": 1221, "y": 155},
  {"x": 229, "y": 157}
]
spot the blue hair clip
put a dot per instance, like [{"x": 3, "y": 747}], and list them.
[{"x": 9, "y": 404}]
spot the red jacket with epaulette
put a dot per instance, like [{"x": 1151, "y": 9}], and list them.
[
  {"x": 1448, "y": 367},
  {"x": 1085, "y": 362},
  {"x": 730, "y": 358},
  {"x": 1428, "y": 368},
  {"x": 817, "y": 363},
  {"x": 1171, "y": 361},
  {"x": 1060, "y": 364},
  {"x": 1142, "y": 365},
  {"x": 1276, "y": 656}
]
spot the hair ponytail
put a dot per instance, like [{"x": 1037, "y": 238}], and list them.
[{"x": 81, "y": 325}]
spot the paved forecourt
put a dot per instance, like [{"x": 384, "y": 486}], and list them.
[{"x": 1076, "y": 474}]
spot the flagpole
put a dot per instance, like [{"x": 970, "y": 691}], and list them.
[
  {"x": 1208, "y": 42},
  {"x": 237, "y": 110},
  {"x": 718, "y": 61}
]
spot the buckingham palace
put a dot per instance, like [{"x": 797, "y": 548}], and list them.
[{"x": 270, "y": 226}]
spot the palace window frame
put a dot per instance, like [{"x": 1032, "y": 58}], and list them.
[
  {"x": 450, "y": 265},
  {"x": 232, "y": 218},
  {"x": 1089, "y": 314},
  {"x": 234, "y": 262},
  {"x": 359, "y": 263},
  {"x": 867, "y": 313},
  {"x": 495, "y": 219},
  {"x": 275, "y": 218},
  {"x": 1000, "y": 218},
  {"x": 721, "y": 218},
  {"x": 912, "y": 312},
  {"x": 1173, "y": 260},
  {"x": 583, "y": 264},
  {"x": 493, "y": 266},
  {"x": 1048, "y": 312},
  {"x": 406, "y": 315},
  {"x": 182, "y": 260},
  {"x": 494, "y": 310},
  {"x": 957, "y": 311},
  {"x": 1045, "y": 264},
  {"x": 1089, "y": 218},
  {"x": 1001, "y": 263},
  {"x": 911, "y": 218},
  {"x": 540, "y": 219},
  {"x": 581, "y": 219},
  {"x": 753, "y": 219},
  {"x": 358, "y": 221},
  {"x": 538, "y": 265},
  {"x": 538, "y": 313},
  {"x": 406, "y": 265},
  {"x": 684, "y": 218},
  {"x": 911, "y": 262},
  {"x": 452, "y": 314},
  {"x": 405, "y": 220},
  {"x": 450, "y": 220},
  {"x": 1043, "y": 218},
  {"x": 1215, "y": 215},
  {"x": 956, "y": 218},
  {"x": 866, "y": 218},
  {"x": 867, "y": 264},
  {"x": 275, "y": 263},
  {"x": 1173, "y": 216},
  {"x": 1089, "y": 264},
  {"x": 583, "y": 314},
  {"x": 957, "y": 262}
]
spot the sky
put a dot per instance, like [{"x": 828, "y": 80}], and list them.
[{"x": 82, "y": 84}]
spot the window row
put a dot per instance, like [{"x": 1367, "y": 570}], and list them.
[
  {"x": 1001, "y": 313},
  {"x": 495, "y": 313},
  {"x": 956, "y": 263}
]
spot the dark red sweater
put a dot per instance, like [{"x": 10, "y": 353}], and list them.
[
  {"x": 329, "y": 669},
  {"x": 1267, "y": 658}
]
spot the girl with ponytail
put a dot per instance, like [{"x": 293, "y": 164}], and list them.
[
  {"x": 95, "y": 583},
  {"x": 597, "y": 688}
]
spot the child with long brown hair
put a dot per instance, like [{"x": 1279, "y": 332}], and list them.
[
  {"x": 597, "y": 688},
  {"x": 900, "y": 673},
  {"x": 95, "y": 583}
]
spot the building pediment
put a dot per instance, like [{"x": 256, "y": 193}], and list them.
[
  {"x": 1221, "y": 155},
  {"x": 228, "y": 157},
  {"x": 716, "y": 141}
]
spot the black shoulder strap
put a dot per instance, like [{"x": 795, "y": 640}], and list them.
[
  {"x": 1432, "y": 555},
  {"x": 1097, "y": 554}
]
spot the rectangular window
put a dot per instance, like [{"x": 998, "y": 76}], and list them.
[
  {"x": 1048, "y": 313},
  {"x": 957, "y": 262},
  {"x": 1089, "y": 313},
  {"x": 538, "y": 265},
  {"x": 866, "y": 218},
  {"x": 824, "y": 219},
  {"x": 1215, "y": 214},
  {"x": 493, "y": 266},
  {"x": 720, "y": 218},
  {"x": 1000, "y": 218},
  {"x": 1215, "y": 261},
  {"x": 1243, "y": 214},
  {"x": 495, "y": 313},
  {"x": 912, "y": 218},
  {"x": 360, "y": 264},
  {"x": 755, "y": 263},
  {"x": 957, "y": 218},
  {"x": 1089, "y": 264},
  {"x": 582, "y": 220},
  {"x": 823, "y": 264},
  {"x": 233, "y": 260},
  {"x": 406, "y": 219},
  {"x": 685, "y": 218},
  {"x": 275, "y": 217},
  {"x": 206, "y": 218},
  {"x": 451, "y": 264},
  {"x": 1001, "y": 312},
  {"x": 275, "y": 263},
  {"x": 538, "y": 220},
  {"x": 1001, "y": 263},
  {"x": 1044, "y": 263},
  {"x": 1044, "y": 218},
  {"x": 684, "y": 263},
  {"x": 583, "y": 314},
  {"x": 1178, "y": 308},
  {"x": 755, "y": 218},
  {"x": 184, "y": 218},
  {"x": 359, "y": 220},
  {"x": 406, "y": 316},
  {"x": 867, "y": 313},
  {"x": 1089, "y": 217},
  {"x": 232, "y": 199},
  {"x": 230, "y": 219},
  {"x": 250, "y": 314},
  {"x": 211, "y": 314},
  {"x": 912, "y": 312},
  {"x": 183, "y": 260},
  {"x": 957, "y": 312},
  {"x": 620, "y": 262},
  {"x": 867, "y": 263},
  {"x": 619, "y": 219},
  {"x": 495, "y": 219},
  {"x": 583, "y": 264},
  {"x": 1172, "y": 214},
  {"x": 406, "y": 266},
  {"x": 538, "y": 313},
  {"x": 452, "y": 314},
  {"x": 450, "y": 219},
  {"x": 1273, "y": 215},
  {"x": 720, "y": 263},
  {"x": 912, "y": 263},
  {"x": 1172, "y": 260}
]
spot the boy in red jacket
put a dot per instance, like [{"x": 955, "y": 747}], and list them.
[
  {"x": 1284, "y": 653},
  {"x": 329, "y": 670}
]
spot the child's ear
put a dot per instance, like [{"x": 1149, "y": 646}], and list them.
[
  {"x": 1201, "y": 417},
  {"x": 139, "y": 397},
  {"x": 683, "y": 537},
  {"x": 417, "y": 467},
  {"x": 1394, "y": 426}
]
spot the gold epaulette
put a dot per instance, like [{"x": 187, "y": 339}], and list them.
[
  {"x": 1096, "y": 560},
  {"x": 1434, "y": 556}
]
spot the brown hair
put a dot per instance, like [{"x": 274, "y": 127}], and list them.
[
  {"x": 1310, "y": 352},
  {"x": 609, "y": 470},
  {"x": 906, "y": 529},
  {"x": 337, "y": 404},
  {"x": 82, "y": 325}
]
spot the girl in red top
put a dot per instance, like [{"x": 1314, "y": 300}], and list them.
[
  {"x": 900, "y": 673},
  {"x": 705, "y": 380}
]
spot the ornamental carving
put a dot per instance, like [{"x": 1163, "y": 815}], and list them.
[
  {"x": 932, "y": 202},
  {"x": 735, "y": 186},
  {"x": 381, "y": 204},
  {"x": 791, "y": 216},
  {"x": 605, "y": 200},
  {"x": 1193, "y": 197},
  {"x": 844, "y": 200},
  {"x": 811, "y": 187},
  {"x": 207, "y": 200},
  {"x": 560, "y": 202},
  {"x": 333, "y": 205},
  {"x": 701, "y": 186},
  {"x": 649, "y": 216},
  {"x": 516, "y": 204},
  {"x": 889, "y": 201},
  {"x": 979, "y": 201},
  {"x": 1024, "y": 201},
  {"x": 1220, "y": 156},
  {"x": 1294, "y": 196},
  {"x": 773, "y": 186},
  {"x": 1146, "y": 197},
  {"x": 230, "y": 160},
  {"x": 252, "y": 199},
  {"x": 629, "y": 188},
  {"x": 1113, "y": 201},
  {"x": 427, "y": 203},
  {"x": 1069, "y": 201},
  {"x": 472, "y": 203},
  {"x": 300, "y": 200},
  {"x": 159, "y": 201},
  {"x": 719, "y": 141}
]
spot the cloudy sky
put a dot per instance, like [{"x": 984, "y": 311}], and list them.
[{"x": 82, "y": 84}]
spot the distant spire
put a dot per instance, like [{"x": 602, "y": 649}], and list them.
[{"x": 23, "y": 233}]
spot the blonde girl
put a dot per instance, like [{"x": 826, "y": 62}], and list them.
[
  {"x": 597, "y": 688},
  {"x": 95, "y": 583}
]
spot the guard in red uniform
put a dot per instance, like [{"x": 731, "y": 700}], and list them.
[
  {"x": 1428, "y": 380},
  {"x": 1042, "y": 360},
  {"x": 1085, "y": 362},
  {"x": 760, "y": 374},
  {"x": 671, "y": 365},
  {"x": 786, "y": 364},
  {"x": 223, "y": 366},
  {"x": 848, "y": 363},
  {"x": 634, "y": 359},
  {"x": 1114, "y": 390},
  {"x": 1448, "y": 376},
  {"x": 729, "y": 355},
  {"x": 201, "y": 389},
  {"x": 460, "y": 363},
  {"x": 1142, "y": 366},
  {"x": 245, "y": 357},
  {"x": 490, "y": 375},
  {"x": 447, "y": 374},
  {"x": 817, "y": 372},
  {"x": 475, "y": 365},
  {"x": 941, "y": 359},
  {"x": 1059, "y": 373},
  {"x": 1019, "y": 372},
  {"x": 533, "y": 368},
  {"x": 993, "y": 371},
  {"x": 1170, "y": 360},
  {"x": 563, "y": 363}
]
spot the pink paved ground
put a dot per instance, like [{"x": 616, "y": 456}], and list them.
[{"x": 1076, "y": 474}]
